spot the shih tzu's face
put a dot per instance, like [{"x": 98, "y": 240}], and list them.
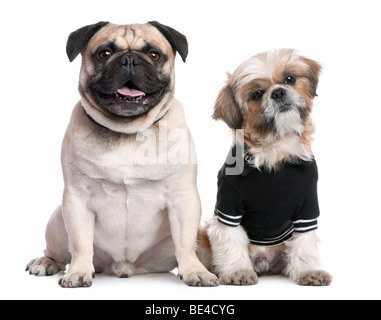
[{"x": 270, "y": 97}]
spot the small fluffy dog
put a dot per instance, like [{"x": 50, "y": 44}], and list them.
[{"x": 267, "y": 206}]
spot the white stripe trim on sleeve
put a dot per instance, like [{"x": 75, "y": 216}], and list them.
[
  {"x": 305, "y": 221},
  {"x": 229, "y": 217},
  {"x": 306, "y": 228},
  {"x": 234, "y": 224}
]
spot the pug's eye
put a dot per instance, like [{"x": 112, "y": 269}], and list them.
[
  {"x": 257, "y": 95},
  {"x": 154, "y": 56},
  {"x": 105, "y": 55},
  {"x": 290, "y": 80}
]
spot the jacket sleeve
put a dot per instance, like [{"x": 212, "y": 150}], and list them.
[
  {"x": 229, "y": 208},
  {"x": 307, "y": 217}
]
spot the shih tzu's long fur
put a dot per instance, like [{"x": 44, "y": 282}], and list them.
[{"x": 270, "y": 96}]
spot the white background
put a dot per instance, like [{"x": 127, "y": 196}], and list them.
[{"x": 39, "y": 90}]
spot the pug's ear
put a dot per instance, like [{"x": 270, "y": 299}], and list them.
[
  {"x": 177, "y": 40},
  {"x": 228, "y": 110},
  {"x": 79, "y": 39}
]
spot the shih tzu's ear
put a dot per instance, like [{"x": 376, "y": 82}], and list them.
[
  {"x": 227, "y": 108},
  {"x": 314, "y": 69}
]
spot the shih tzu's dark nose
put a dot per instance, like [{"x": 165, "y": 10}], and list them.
[{"x": 278, "y": 94}]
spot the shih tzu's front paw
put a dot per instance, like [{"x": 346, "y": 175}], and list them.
[
  {"x": 244, "y": 277},
  {"x": 316, "y": 278}
]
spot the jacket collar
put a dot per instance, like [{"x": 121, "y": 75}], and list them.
[{"x": 241, "y": 160}]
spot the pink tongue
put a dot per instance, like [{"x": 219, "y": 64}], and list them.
[{"x": 131, "y": 93}]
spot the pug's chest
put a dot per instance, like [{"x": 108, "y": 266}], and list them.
[
  {"x": 128, "y": 165},
  {"x": 115, "y": 183},
  {"x": 125, "y": 213},
  {"x": 120, "y": 202}
]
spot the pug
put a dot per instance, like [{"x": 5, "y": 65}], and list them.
[{"x": 130, "y": 203}]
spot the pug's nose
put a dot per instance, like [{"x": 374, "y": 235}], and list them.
[{"x": 129, "y": 60}]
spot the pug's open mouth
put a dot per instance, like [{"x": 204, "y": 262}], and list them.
[{"x": 128, "y": 100}]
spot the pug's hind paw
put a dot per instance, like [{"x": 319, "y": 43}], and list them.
[{"x": 44, "y": 266}]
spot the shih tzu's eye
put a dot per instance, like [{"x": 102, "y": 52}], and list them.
[
  {"x": 105, "y": 54},
  {"x": 290, "y": 80},
  {"x": 257, "y": 95}
]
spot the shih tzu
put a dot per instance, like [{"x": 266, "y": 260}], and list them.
[{"x": 267, "y": 206}]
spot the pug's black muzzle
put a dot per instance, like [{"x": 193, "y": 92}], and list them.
[{"x": 129, "y": 86}]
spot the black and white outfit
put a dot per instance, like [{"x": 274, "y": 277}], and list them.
[{"x": 270, "y": 206}]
